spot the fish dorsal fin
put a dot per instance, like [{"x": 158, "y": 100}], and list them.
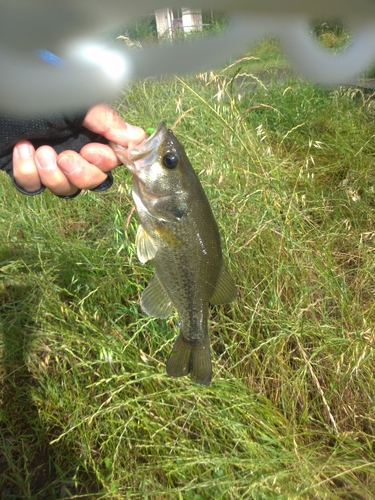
[
  {"x": 225, "y": 290},
  {"x": 146, "y": 246},
  {"x": 155, "y": 300}
]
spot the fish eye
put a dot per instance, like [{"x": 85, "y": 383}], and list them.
[{"x": 170, "y": 160}]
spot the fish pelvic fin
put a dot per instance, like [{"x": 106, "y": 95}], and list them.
[
  {"x": 155, "y": 300},
  {"x": 191, "y": 358},
  {"x": 225, "y": 290}
]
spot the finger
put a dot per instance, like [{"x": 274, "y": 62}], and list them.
[
  {"x": 105, "y": 121},
  {"x": 49, "y": 173},
  {"x": 100, "y": 155},
  {"x": 25, "y": 171},
  {"x": 80, "y": 172}
]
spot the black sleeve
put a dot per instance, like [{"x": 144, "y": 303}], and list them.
[{"x": 59, "y": 131}]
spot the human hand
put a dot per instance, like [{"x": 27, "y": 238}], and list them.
[{"x": 68, "y": 172}]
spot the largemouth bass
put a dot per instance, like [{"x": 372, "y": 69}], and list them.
[{"x": 179, "y": 233}]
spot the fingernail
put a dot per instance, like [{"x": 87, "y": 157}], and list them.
[
  {"x": 46, "y": 160},
  {"x": 133, "y": 129},
  {"x": 69, "y": 165},
  {"x": 24, "y": 151},
  {"x": 137, "y": 134},
  {"x": 130, "y": 135}
]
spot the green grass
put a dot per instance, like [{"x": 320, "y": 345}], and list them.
[{"x": 87, "y": 410}]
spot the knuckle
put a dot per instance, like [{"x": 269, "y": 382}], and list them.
[{"x": 110, "y": 121}]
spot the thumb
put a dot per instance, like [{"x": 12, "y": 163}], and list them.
[{"x": 103, "y": 120}]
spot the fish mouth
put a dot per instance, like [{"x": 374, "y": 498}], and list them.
[
  {"x": 145, "y": 153},
  {"x": 149, "y": 145}
]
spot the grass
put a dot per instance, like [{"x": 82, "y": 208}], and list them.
[{"x": 87, "y": 410}]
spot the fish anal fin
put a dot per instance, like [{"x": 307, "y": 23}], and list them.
[
  {"x": 146, "y": 246},
  {"x": 225, "y": 290},
  {"x": 191, "y": 358},
  {"x": 155, "y": 301}
]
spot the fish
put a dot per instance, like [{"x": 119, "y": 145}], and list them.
[{"x": 179, "y": 233}]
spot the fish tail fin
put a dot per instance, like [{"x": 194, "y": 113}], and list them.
[
  {"x": 191, "y": 358},
  {"x": 201, "y": 367}
]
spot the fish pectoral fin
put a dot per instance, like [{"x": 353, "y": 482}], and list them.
[
  {"x": 155, "y": 300},
  {"x": 190, "y": 358},
  {"x": 225, "y": 290},
  {"x": 146, "y": 246}
]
